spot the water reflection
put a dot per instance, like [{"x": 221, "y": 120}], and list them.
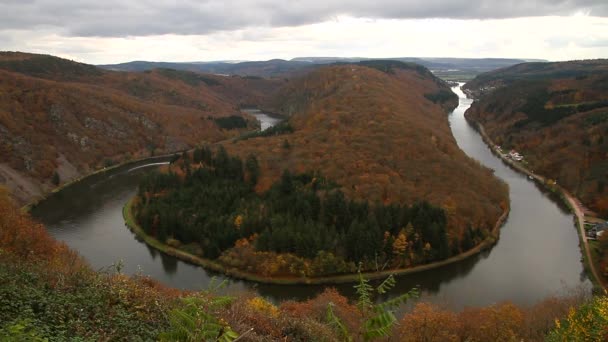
[{"x": 169, "y": 264}]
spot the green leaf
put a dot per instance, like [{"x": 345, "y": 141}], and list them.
[
  {"x": 364, "y": 291},
  {"x": 335, "y": 322},
  {"x": 387, "y": 284}
]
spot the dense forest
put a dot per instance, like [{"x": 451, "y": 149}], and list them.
[
  {"x": 556, "y": 115},
  {"x": 207, "y": 203},
  {"x": 381, "y": 131},
  {"x": 49, "y": 293}
]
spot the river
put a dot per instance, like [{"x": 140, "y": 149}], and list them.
[
  {"x": 537, "y": 254},
  {"x": 266, "y": 121}
]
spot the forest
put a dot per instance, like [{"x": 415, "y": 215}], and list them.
[
  {"x": 383, "y": 140},
  {"x": 207, "y": 202},
  {"x": 555, "y": 115},
  {"x": 62, "y": 117}
]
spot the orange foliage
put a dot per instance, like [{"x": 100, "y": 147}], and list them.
[
  {"x": 94, "y": 118},
  {"x": 500, "y": 322},
  {"x": 428, "y": 323},
  {"x": 316, "y": 308},
  {"x": 380, "y": 138},
  {"x": 25, "y": 241}
]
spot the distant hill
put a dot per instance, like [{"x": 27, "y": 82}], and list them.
[
  {"x": 449, "y": 67},
  {"x": 484, "y": 64},
  {"x": 536, "y": 71},
  {"x": 380, "y": 130},
  {"x": 271, "y": 68},
  {"x": 60, "y": 119},
  {"x": 556, "y": 114}
]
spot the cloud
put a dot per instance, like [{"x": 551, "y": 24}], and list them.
[
  {"x": 119, "y": 18},
  {"x": 594, "y": 43}
]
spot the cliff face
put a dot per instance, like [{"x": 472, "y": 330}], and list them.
[
  {"x": 60, "y": 119},
  {"x": 556, "y": 115},
  {"x": 378, "y": 132}
]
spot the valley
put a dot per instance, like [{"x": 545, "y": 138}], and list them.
[
  {"x": 271, "y": 171},
  {"x": 89, "y": 220},
  {"x": 368, "y": 167}
]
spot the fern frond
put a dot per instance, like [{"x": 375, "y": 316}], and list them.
[
  {"x": 397, "y": 301},
  {"x": 335, "y": 322},
  {"x": 379, "y": 325},
  {"x": 387, "y": 284},
  {"x": 364, "y": 291}
]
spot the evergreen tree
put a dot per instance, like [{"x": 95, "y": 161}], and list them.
[
  {"x": 55, "y": 180},
  {"x": 252, "y": 168}
]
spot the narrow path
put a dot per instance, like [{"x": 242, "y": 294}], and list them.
[
  {"x": 573, "y": 202},
  {"x": 579, "y": 212}
]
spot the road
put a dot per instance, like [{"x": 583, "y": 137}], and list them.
[{"x": 580, "y": 218}]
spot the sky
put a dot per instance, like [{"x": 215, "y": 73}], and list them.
[{"x": 114, "y": 31}]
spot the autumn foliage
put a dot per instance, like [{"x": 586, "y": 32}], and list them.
[
  {"x": 28, "y": 241},
  {"x": 71, "y": 118},
  {"x": 382, "y": 140},
  {"x": 47, "y": 291},
  {"x": 556, "y": 115},
  {"x": 498, "y": 322},
  {"x": 303, "y": 226}
]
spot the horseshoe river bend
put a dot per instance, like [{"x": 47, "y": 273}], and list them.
[{"x": 537, "y": 254}]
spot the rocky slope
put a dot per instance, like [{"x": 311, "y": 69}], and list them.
[{"x": 60, "y": 119}]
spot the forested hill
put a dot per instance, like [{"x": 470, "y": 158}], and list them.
[
  {"x": 60, "y": 119},
  {"x": 539, "y": 71},
  {"x": 381, "y": 133},
  {"x": 556, "y": 115}
]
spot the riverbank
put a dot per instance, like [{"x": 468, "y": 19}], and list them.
[
  {"x": 165, "y": 157},
  {"x": 568, "y": 199},
  {"x": 328, "y": 280}
]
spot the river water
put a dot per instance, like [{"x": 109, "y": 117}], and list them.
[
  {"x": 265, "y": 120},
  {"x": 537, "y": 254}
]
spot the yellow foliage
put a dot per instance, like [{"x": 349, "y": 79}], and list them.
[
  {"x": 400, "y": 244},
  {"x": 588, "y": 322},
  {"x": 263, "y": 306},
  {"x": 238, "y": 221}
]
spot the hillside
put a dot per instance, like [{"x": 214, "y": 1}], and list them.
[
  {"x": 364, "y": 173},
  {"x": 379, "y": 135},
  {"x": 556, "y": 115},
  {"x": 60, "y": 119},
  {"x": 534, "y": 71},
  {"x": 270, "y": 68}
]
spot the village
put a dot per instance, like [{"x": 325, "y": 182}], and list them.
[
  {"x": 514, "y": 155},
  {"x": 594, "y": 228}
]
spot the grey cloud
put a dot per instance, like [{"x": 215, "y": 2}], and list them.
[{"x": 116, "y": 18}]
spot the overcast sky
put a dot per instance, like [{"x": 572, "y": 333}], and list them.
[{"x": 113, "y": 31}]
